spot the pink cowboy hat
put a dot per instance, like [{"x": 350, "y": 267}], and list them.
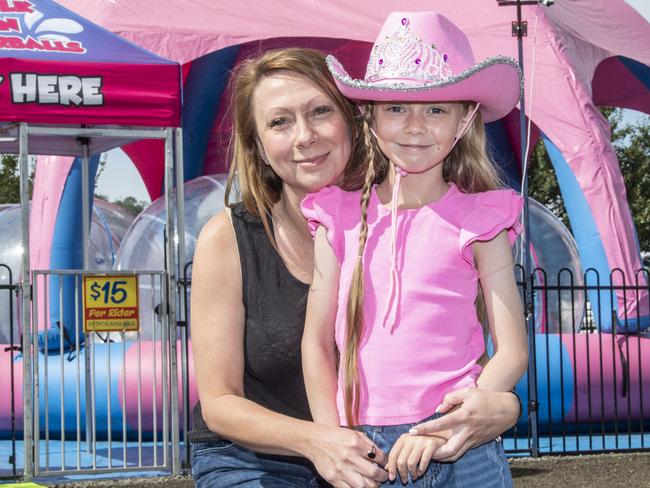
[{"x": 423, "y": 56}]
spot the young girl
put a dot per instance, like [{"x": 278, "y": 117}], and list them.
[{"x": 395, "y": 283}]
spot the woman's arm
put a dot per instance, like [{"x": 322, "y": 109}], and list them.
[
  {"x": 318, "y": 344},
  {"x": 475, "y": 417},
  {"x": 505, "y": 315},
  {"x": 218, "y": 351}
]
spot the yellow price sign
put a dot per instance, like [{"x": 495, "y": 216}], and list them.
[{"x": 110, "y": 303}]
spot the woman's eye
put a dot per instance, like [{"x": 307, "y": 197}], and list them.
[
  {"x": 278, "y": 123},
  {"x": 322, "y": 110}
]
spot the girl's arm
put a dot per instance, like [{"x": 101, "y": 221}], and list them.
[
  {"x": 318, "y": 344},
  {"x": 218, "y": 351},
  {"x": 504, "y": 312}
]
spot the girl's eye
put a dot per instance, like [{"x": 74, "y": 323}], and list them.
[
  {"x": 322, "y": 110},
  {"x": 436, "y": 110},
  {"x": 395, "y": 109}
]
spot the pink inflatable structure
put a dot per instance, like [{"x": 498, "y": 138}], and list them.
[{"x": 579, "y": 55}]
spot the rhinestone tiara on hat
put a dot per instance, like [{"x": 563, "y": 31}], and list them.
[
  {"x": 424, "y": 56},
  {"x": 404, "y": 56}
]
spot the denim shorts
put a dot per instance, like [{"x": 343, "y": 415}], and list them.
[
  {"x": 485, "y": 466},
  {"x": 224, "y": 464}
]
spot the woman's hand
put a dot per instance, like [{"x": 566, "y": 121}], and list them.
[
  {"x": 411, "y": 454},
  {"x": 476, "y": 417},
  {"x": 341, "y": 457}
]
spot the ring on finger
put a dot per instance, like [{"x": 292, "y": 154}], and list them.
[{"x": 372, "y": 452}]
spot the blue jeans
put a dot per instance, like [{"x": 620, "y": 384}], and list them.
[
  {"x": 485, "y": 466},
  {"x": 224, "y": 464}
]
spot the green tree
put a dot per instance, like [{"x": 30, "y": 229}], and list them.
[
  {"x": 632, "y": 145},
  {"x": 10, "y": 179},
  {"x": 131, "y": 204}
]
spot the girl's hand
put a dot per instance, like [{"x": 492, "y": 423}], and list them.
[
  {"x": 412, "y": 454},
  {"x": 477, "y": 416},
  {"x": 341, "y": 457}
]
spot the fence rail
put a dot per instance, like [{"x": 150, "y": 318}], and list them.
[
  {"x": 592, "y": 374},
  {"x": 592, "y": 370},
  {"x": 101, "y": 400},
  {"x": 10, "y": 338}
]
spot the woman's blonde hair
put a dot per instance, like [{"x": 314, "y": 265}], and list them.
[
  {"x": 469, "y": 167},
  {"x": 259, "y": 187}
]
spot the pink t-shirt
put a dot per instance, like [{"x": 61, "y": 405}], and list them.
[{"x": 431, "y": 344}]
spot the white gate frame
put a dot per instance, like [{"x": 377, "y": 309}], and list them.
[{"x": 173, "y": 208}]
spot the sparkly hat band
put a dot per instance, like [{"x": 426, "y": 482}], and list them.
[{"x": 396, "y": 84}]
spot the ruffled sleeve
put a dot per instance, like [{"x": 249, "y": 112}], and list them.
[
  {"x": 493, "y": 212},
  {"x": 322, "y": 208}
]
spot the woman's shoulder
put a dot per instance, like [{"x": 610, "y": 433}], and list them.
[{"x": 218, "y": 230}]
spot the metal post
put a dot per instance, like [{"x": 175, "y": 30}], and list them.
[
  {"x": 25, "y": 287},
  {"x": 519, "y": 28},
  {"x": 529, "y": 298},
  {"x": 85, "y": 233},
  {"x": 85, "y": 204},
  {"x": 180, "y": 198},
  {"x": 171, "y": 266},
  {"x": 180, "y": 220}
]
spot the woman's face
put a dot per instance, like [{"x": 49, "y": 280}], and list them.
[{"x": 302, "y": 133}]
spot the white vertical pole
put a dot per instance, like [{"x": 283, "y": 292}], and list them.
[
  {"x": 85, "y": 237},
  {"x": 180, "y": 198},
  {"x": 171, "y": 265},
  {"x": 180, "y": 213},
  {"x": 26, "y": 292},
  {"x": 85, "y": 204}
]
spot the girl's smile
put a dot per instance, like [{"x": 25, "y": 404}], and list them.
[{"x": 417, "y": 136}]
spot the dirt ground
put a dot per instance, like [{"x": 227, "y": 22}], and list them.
[{"x": 629, "y": 470}]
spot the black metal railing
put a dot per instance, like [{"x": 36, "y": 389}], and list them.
[
  {"x": 9, "y": 297},
  {"x": 592, "y": 375},
  {"x": 592, "y": 363}
]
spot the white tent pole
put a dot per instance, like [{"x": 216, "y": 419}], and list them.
[
  {"x": 26, "y": 293},
  {"x": 171, "y": 266},
  {"x": 180, "y": 222},
  {"x": 85, "y": 205},
  {"x": 85, "y": 238},
  {"x": 180, "y": 198}
]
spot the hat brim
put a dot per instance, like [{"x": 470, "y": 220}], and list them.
[{"x": 496, "y": 83}]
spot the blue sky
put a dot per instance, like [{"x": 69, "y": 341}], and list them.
[{"x": 120, "y": 178}]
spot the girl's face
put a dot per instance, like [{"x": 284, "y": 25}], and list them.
[
  {"x": 302, "y": 132},
  {"x": 417, "y": 136}
]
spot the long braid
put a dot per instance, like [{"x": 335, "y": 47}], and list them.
[{"x": 355, "y": 325}]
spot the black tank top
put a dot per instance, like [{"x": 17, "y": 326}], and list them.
[{"x": 275, "y": 304}]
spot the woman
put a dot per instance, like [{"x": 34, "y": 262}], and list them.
[{"x": 293, "y": 133}]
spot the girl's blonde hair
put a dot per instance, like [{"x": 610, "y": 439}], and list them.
[
  {"x": 469, "y": 167},
  {"x": 259, "y": 187}
]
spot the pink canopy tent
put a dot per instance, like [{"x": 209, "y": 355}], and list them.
[
  {"x": 586, "y": 53},
  {"x": 71, "y": 88}
]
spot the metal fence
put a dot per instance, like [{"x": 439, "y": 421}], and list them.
[
  {"x": 10, "y": 340},
  {"x": 592, "y": 370},
  {"x": 592, "y": 386},
  {"x": 102, "y": 401},
  {"x": 106, "y": 405}
]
